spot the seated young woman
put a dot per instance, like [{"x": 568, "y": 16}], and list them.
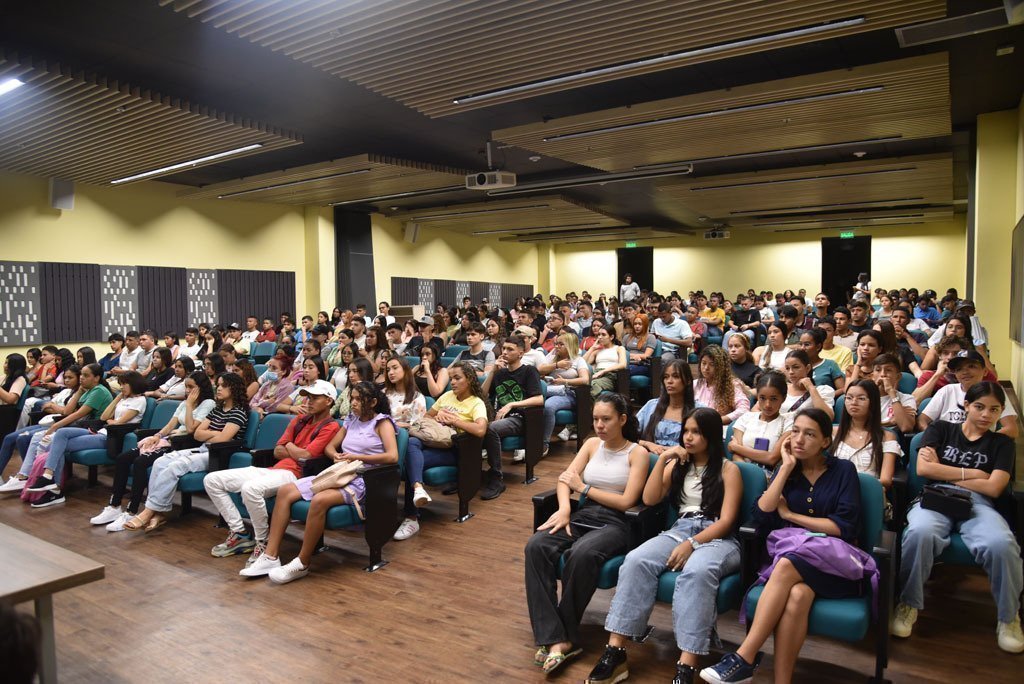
[
  {"x": 899, "y": 409},
  {"x": 706, "y": 489},
  {"x": 464, "y": 409},
  {"x": 408, "y": 405},
  {"x": 211, "y": 342},
  {"x": 891, "y": 345},
  {"x": 173, "y": 387},
  {"x": 820, "y": 494},
  {"x": 717, "y": 387},
  {"x": 823, "y": 371},
  {"x": 57, "y": 407},
  {"x": 869, "y": 346},
  {"x": 368, "y": 434},
  {"x": 431, "y": 377},
  {"x": 45, "y": 370},
  {"x": 214, "y": 366},
  {"x": 128, "y": 406},
  {"x": 136, "y": 462},
  {"x": 562, "y": 369},
  {"x": 14, "y": 380},
  {"x": 313, "y": 369},
  {"x": 661, "y": 420},
  {"x": 588, "y": 342},
  {"x": 640, "y": 345},
  {"x": 377, "y": 351},
  {"x": 756, "y": 433},
  {"x": 772, "y": 356},
  {"x": 742, "y": 360},
  {"x": 969, "y": 457},
  {"x": 801, "y": 392},
  {"x": 310, "y": 349},
  {"x": 860, "y": 437},
  {"x": 959, "y": 326},
  {"x": 244, "y": 368},
  {"x": 339, "y": 373},
  {"x": 344, "y": 338},
  {"x": 495, "y": 336},
  {"x": 360, "y": 370},
  {"x": 608, "y": 358},
  {"x": 609, "y": 473},
  {"x": 277, "y": 386},
  {"x": 948, "y": 403},
  {"x": 225, "y": 422}
]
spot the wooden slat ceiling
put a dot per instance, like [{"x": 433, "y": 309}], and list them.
[
  {"x": 795, "y": 193},
  {"x": 428, "y": 53},
  {"x": 532, "y": 218},
  {"x": 363, "y": 176},
  {"x": 908, "y": 98},
  {"x": 88, "y": 128}
]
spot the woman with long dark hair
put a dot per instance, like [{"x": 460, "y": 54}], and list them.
[
  {"x": 608, "y": 473},
  {"x": 772, "y": 356},
  {"x": 661, "y": 419},
  {"x": 707, "y": 490},
  {"x": 430, "y": 376},
  {"x": 84, "y": 356},
  {"x": 755, "y": 433},
  {"x": 860, "y": 437},
  {"x": 14, "y": 380},
  {"x": 869, "y": 346}
]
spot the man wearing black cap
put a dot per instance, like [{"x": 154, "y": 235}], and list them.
[
  {"x": 426, "y": 336},
  {"x": 948, "y": 402}
]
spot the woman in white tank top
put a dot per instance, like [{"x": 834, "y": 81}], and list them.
[
  {"x": 608, "y": 359},
  {"x": 608, "y": 473}
]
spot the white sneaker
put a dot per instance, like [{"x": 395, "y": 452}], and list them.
[
  {"x": 903, "y": 621},
  {"x": 519, "y": 455},
  {"x": 261, "y": 566},
  {"x": 420, "y": 498},
  {"x": 14, "y": 484},
  {"x": 117, "y": 525},
  {"x": 408, "y": 528},
  {"x": 288, "y": 573},
  {"x": 564, "y": 434},
  {"x": 257, "y": 551},
  {"x": 108, "y": 515},
  {"x": 1010, "y": 637}
]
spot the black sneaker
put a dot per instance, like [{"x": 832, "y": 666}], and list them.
[
  {"x": 49, "y": 498},
  {"x": 611, "y": 668},
  {"x": 42, "y": 484},
  {"x": 731, "y": 669},
  {"x": 684, "y": 674},
  {"x": 493, "y": 488}
]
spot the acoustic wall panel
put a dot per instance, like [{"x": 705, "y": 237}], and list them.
[
  {"x": 163, "y": 299},
  {"x": 264, "y": 294},
  {"x": 511, "y": 292},
  {"x": 353, "y": 252},
  {"x": 494, "y": 294},
  {"x": 404, "y": 291},
  {"x": 444, "y": 291},
  {"x": 19, "y": 304},
  {"x": 461, "y": 291},
  {"x": 69, "y": 299},
  {"x": 202, "y": 296},
  {"x": 425, "y": 294},
  {"x": 120, "y": 296},
  {"x": 478, "y": 291}
]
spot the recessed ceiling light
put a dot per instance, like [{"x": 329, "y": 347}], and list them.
[
  {"x": 9, "y": 85},
  {"x": 121, "y": 110},
  {"x": 860, "y": 153},
  {"x": 535, "y": 158}
]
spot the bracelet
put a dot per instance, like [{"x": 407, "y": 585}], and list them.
[
  {"x": 583, "y": 492},
  {"x": 963, "y": 474}
]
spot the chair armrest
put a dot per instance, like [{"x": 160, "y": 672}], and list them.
[
  {"x": 379, "y": 503},
  {"x": 314, "y": 466},
  {"x": 544, "y": 504},
  {"x": 263, "y": 458},
  {"x": 35, "y": 416},
  {"x": 584, "y": 413},
  {"x": 468, "y": 454},
  {"x": 751, "y": 548},
  {"x": 179, "y": 442},
  {"x": 645, "y": 522},
  {"x": 1017, "y": 495},
  {"x": 898, "y": 496},
  {"x": 116, "y": 435},
  {"x": 622, "y": 382},
  {"x": 143, "y": 434},
  {"x": 220, "y": 453}
]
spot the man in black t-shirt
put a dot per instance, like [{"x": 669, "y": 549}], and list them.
[
  {"x": 512, "y": 386},
  {"x": 426, "y": 336}
]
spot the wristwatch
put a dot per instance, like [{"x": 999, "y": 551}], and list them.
[{"x": 694, "y": 543}]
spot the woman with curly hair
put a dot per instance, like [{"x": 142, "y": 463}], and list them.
[{"x": 717, "y": 387}]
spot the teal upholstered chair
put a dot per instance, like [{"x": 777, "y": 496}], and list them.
[
  {"x": 581, "y": 417},
  {"x": 730, "y": 588},
  {"x": 838, "y": 407},
  {"x": 262, "y": 351},
  {"x": 259, "y": 369},
  {"x": 269, "y": 431},
  {"x": 220, "y": 455},
  {"x": 849, "y": 619},
  {"x": 453, "y": 350},
  {"x": 162, "y": 414},
  {"x": 650, "y": 383},
  {"x": 94, "y": 458},
  {"x": 908, "y": 383}
]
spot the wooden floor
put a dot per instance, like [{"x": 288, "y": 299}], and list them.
[{"x": 449, "y": 608}]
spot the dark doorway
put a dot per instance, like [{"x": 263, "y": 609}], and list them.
[
  {"x": 639, "y": 262},
  {"x": 842, "y": 260}
]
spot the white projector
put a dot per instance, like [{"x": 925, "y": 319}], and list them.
[
  {"x": 716, "y": 235},
  {"x": 490, "y": 180}
]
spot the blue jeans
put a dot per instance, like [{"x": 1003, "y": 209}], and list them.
[
  {"x": 985, "y": 534},
  {"x": 20, "y": 439},
  {"x": 417, "y": 459},
  {"x": 167, "y": 470},
  {"x": 552, "y": 405},
  {"x": 694, "y": 601},
  {"x": 69, "y": 439},
  {"x": 639, "y": 369}
]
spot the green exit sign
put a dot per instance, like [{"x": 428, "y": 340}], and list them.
[
  {"x": 846, "y": 234},
  {"x": 630, "y": 244}
]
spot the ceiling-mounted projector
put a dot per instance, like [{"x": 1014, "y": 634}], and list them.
[{"x": 490, "y": 180}]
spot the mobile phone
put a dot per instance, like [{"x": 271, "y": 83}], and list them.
[{"x": 761, "y": 443}]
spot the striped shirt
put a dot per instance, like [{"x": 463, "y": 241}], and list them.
[{"x": 219, "y": 418}]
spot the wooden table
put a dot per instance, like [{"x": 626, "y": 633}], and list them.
[{"x": 34, "y": 570}]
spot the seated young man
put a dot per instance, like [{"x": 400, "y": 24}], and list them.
[
  {"x": 948, "y": 403},
  {"x": 233, "y": 335},
  {"x": 803, "y": 321},
  {"x": 111, "y": 360},
  {"x": 789, "y": 315},
  {"x": 359, "y": 331},
  {"x": 512, "y": 386},
  {"x": 673, "y": 332},
  {"x": 394, "y": 334},
  {"x": 698, "y": 329},
  {"x": 843, "y": 334},
  {"x": 714, "y": 315},
  {"x": 924, "y": 311},
  {"x": 426, "y": 335},
  {"x": 860, "y": 319},
  {"x": 267, "y": 334},
  {"x": 584, "y": 318},
  {"x": 303, "y": 334},
  {"x": 745, "y": 321},
  {"x": 931, "y": 381},
  {"x": 305, "y": 438},
  {"x": 625, "y": 323},
  {"x": 191, "y": 345},
  {"x": 552, "y": 329},
  {"x": 251, "y": 333},
  {"x": 384, "y": 309},
  {"x": 129, "y": 358},
  {"x": 481, "y": 359}
]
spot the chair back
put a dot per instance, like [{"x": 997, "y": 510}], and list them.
[
  {"x": 430, "y": 402},
  {"x": 907, "y": 384},
  {"x": 838, "y": 408},
  {"x": 914, "y": 481},
  {"x": 161, "y": 414},
  {"x": 728, "y": 438},
  {"x": 25, "y": 391},
  {"x": 259, "y": 369},
  {"x": 149, "y": 413},
  {"x": 263, "y": 351},
  {"x": 251, "y": 428},
  {"x": 754, "y": 484},
  {"x": 413, "y": 361},
  {"x": 453, "y": 350},
  {"x": 270, "y": 430},
  {"x": 872, "y": 511},
  {"x": 657, "y": 348},
  {"x": 924, "y": 402}
]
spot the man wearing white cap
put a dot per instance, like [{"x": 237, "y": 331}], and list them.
[{"x": 305, "y": 438}]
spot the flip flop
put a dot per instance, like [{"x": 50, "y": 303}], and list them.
[
  {"x": 540, "y": 656},
  {"x": 555, "y": 661},
  {"x": 134, "y": 524}
]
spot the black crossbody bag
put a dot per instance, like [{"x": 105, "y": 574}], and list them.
[{"x": 952, "y": 502}]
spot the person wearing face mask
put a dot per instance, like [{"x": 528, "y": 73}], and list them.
[
  {"x": 277, "y": 386},
  {"x": 948, "y": 402}
]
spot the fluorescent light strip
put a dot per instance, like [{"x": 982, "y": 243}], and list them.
[
  {"x": 717, "y": 112},
  {"x": 839, "y": 220},
  {"x": 398, "y": 195},
  {"x": 662, "y": 59},
  {"x": 851, "y": 174},
  {"x": 187, "y": 164},
  {"x": 538, "y": 228},
  {"x": 9, "y": 85},
  {"x": 592, "y": 179},
  {"x": 769, "y": 153},
  {"x": 805, "y": 207},
  {"x": 888, "y": 225},
  {"x": 460, "y": 214},
  {"x": 293, "y": 183}
]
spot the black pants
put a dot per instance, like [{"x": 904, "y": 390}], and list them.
[
  {"x": 586, "y": 551},
  {"x": 137, "y": 465}
]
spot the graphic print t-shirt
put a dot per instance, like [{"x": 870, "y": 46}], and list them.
[
  {"x": 992, "y": 451},
  {"x": 509, "y": 385}
]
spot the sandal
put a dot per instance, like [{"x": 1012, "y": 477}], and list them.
[
  {"x": 540, "y": 656},
  {"x": 134, "y": 524},
  {"x": 554, "y": 662},
  {"x": 156, "y": 522}
]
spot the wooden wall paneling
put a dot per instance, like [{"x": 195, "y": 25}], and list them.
[
  {"x": 70, "y": 296},
  {"x": 163, "y": 299}
]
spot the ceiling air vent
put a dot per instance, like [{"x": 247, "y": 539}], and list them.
[{"x": 1011, "y": 13}]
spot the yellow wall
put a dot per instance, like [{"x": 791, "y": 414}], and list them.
[
  {"x": 146, "y": 224},
  {"x": 1016, "y": 350},
  {"x": 448, "y": 256},
  {"x": 995, "y": 216},
  {"x": 933, "y": 256}
]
